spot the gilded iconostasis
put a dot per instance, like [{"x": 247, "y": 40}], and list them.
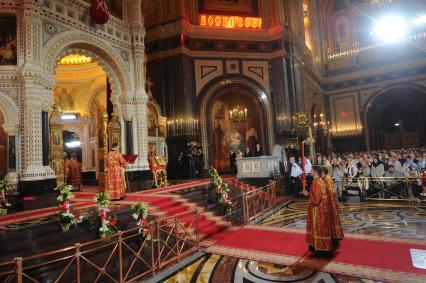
[{"x": 235, "y": 124}]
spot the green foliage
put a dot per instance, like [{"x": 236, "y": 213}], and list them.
[
  {"x": 140, "y": 210},
  {"x": 222, "y": 190},
  {"x": 67, "y": 216},
  {"x": 102, "y": 200},
  {"x": 64, "y": 192}
]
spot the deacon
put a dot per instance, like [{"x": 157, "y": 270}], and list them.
[
  {"x": 318, "y": 228},
  {"x": 336, "y": 226},
  {"x": 116, "y": 178}
]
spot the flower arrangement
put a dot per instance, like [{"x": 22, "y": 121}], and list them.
[
  {"x": 66, "y": 215},
  {"x": 140, "y": 214},
  {"x": 4, "y": 184},
  {"x": 221, "y": 189},
  {"x": 107, "y": 220}
]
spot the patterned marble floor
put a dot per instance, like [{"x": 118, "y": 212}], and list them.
[{"x": 390, "y": 220}]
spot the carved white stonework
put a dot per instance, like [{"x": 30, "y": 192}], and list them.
[
  {"x": 9, "y": 112},
  {"x": 141, "y": 133},
  {"x": 76, "y": 42},
  {"x": 47, "y": 31},
  {"x": 205, "y": 71}
]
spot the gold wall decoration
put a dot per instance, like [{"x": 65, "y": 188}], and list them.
[
  {"x": 56, "y": 144},
  {"x": 114, "y": 132},
  {"x": 103, "y": 150},
  {"x": 300, "y": 120}
]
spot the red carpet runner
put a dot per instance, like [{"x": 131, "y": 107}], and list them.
[{"x": 379, "y": 258}]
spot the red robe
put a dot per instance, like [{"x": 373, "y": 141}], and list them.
[
  {"x": 74, "y": 173},
  {"x": 336, "y": 226},
  {"x": 116, "y": 179},
  {"x": 318, "y": 229}
]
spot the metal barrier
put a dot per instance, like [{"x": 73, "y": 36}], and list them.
[
  {"x": 384, "y": 188},
  {"x": 257, "y": 201},
  {"x": 123, "y": 257}
]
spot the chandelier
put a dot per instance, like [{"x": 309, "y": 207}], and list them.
[
  {"x": 321, "y": 123},
  {"x": 238, "y": 114}
]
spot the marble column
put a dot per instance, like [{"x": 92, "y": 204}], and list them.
[
  {"x": 35, "y": 178},
  {"x": 140, "y": 98}
]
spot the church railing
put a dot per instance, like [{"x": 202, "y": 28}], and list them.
[
  {"x": 258, "y": 201},
  {"x": 125, "y": 256},
  {"x": 384, "y": 188}
]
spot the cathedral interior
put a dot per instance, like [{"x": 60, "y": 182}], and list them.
[{"x": 212, "y": 141}]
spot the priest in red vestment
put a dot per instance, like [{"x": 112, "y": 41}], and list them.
[
  {"x": 74, "y": 172},
  {"x": 116, "y": 178},
  {"x": 318, "y": 228},
  {"x": 336, "y": 226}
]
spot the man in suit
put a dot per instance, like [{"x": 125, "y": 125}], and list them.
[
  {"x": 285, "y": 170},
  {"x": 248, "y": 153},
  {"x": 258, "y": 151}
]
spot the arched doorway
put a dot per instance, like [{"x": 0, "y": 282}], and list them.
[
  {"x": 72, "y": 144},
  {"x": 9, "y": 136},
  {"x": 82, "y": 96},
  {"x": 235, "y": 122},
  {"x": 220, "y": 133},
  {"x": 395, "y": 118}
]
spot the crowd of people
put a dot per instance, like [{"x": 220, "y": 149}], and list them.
[{"x": 378, "y": 173}]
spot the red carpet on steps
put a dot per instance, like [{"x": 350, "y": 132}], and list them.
[
  {"x": 363, "y": 256},
  {"x": 171, "y": 207}
]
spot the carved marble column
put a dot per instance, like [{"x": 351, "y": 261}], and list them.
[
  {"x": 31, "y": 131},
  {"x": 35, "y": 178},
  {"x": 141, "y": 129},
  {"x": 140, "y": 96}
]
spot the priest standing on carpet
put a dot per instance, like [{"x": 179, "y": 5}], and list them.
[
  {"x": 336, "y": 226},
  {"x": 73, "y": 168},
  {"x": 116, "y": 178},
  {"x": 318, "y": 228}
]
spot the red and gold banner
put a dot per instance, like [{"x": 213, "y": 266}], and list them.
[{"x": 230, "y": 22}]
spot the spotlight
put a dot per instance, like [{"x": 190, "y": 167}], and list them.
[
  {"x": 68, "y": 117},
  {"x": 397, "y": 124},
  {"x": 390, "y": 28},
  {"x": 73, "y": 144},
  {"x": 421, "y": 20}
]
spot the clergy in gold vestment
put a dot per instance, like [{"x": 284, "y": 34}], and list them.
[
  {"x": 318, "y": 229},
  {"x": 336, "y": 226},
  {"x": 116, "y": 179}
]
